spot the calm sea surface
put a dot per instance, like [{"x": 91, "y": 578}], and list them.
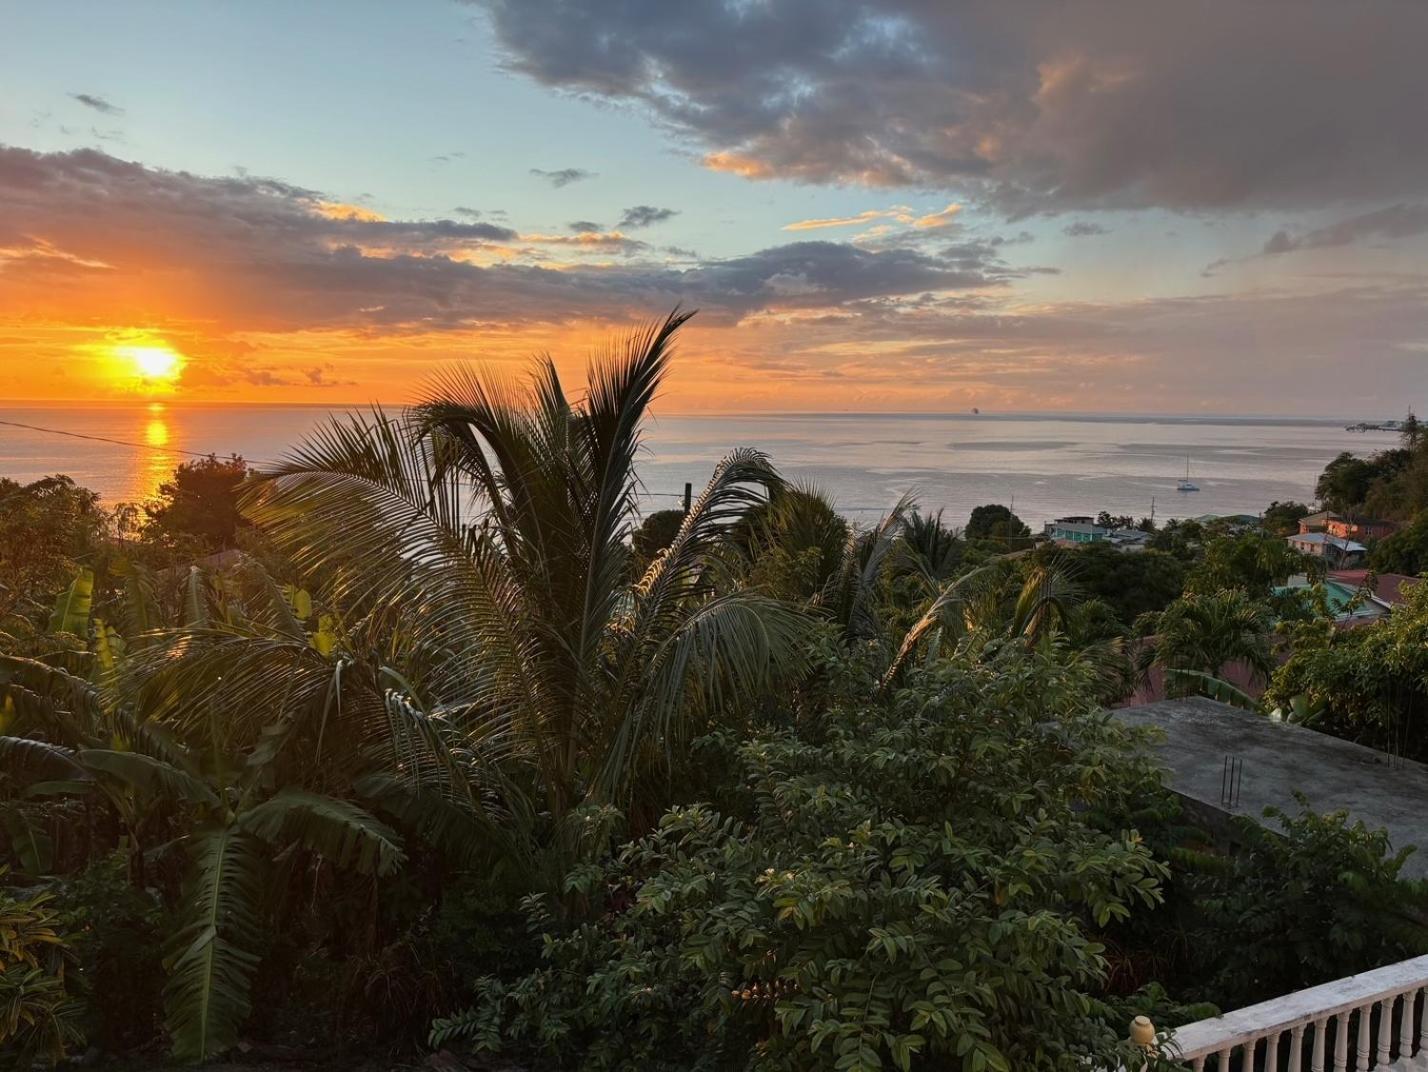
[{"x": 1048, "y": 465}]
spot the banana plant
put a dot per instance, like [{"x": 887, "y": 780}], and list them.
[
  {"x": 87, "y": 728},
  {"x": 234, "y": 828}
]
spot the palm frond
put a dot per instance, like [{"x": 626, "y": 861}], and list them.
[
  {"x": 952, "y": 594},
  {"x": 729, "y": 648},
  {"x": 149, "y": 775},
  {"x": 141, "y": 614},
  {"x": 336, "y": 829},
  {"x": 1215, "y": 688},
  {"x": 213, "y": 955},
  {"x": 463, "y": 831},
  {"x": 849, "y": 596},
  {"x": 373, "y": 506}
]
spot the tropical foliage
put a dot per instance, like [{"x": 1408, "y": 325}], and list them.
[
  {"x": 916, "y": 882},
  {"x": 1370, "y": 683},
  {"x": 284, "y": 753},
  {"x": 38, "y": 1014},
  {"x": 1207, "y": 634}
]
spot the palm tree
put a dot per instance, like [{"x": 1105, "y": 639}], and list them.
[
  {"x": 474, "y": 552},
  {"x": 1203, "y": 633},
  {"x": 929, "y": 551},
  {"x": 988, "y": 607},
  {"x": 794, "y": 543}
]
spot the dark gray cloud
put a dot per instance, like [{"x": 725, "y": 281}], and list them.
[
  {"x": 584, "y": 226},
  {"x": 645, "y": 216},
  {"x": 1396, "y": 221},
  {"x": 816, "y": 274},
  {"x": 86, "y": 235},
  {"x": 564, "y": 176},
  {"x": 1083, "y": 229},
  {"x": 262, "y": 254},
  {"x": 1035, "y": 106},
  {"x": 98, "y": 103}
]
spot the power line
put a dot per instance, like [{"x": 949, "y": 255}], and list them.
[{"x": 106, "y": 439}]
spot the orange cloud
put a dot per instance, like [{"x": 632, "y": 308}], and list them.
[
  {"x": 938, "y": 219},
  {"x": 897, "y": 213},
  {"x": 338, "y": 210},
  {"x": 738, "y": 164}
]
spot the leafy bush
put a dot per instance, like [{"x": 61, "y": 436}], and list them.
[
  {"x": 198, "y": 507},
  {"x": 39, "y": 1017},
  {"x": 1253, "y": 562},
  {"x": 1318, "y": 899},
  {"x": 913, "y": 883},
  {"x": 1132, "y": 584},
  {"x": 656, "y": 532},
  {"x": 994, "y": 521},
  {"x": 117, "y": 936},
  {"x": 1369, "y": 683},
  {"x": 1405, "y": 551}
]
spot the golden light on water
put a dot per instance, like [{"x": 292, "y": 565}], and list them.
[
  {"x": 156, "y": 433},
  {"x": 159, "y": 463}
]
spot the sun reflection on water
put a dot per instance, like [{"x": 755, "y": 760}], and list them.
[{"x": 157, "y": 464}]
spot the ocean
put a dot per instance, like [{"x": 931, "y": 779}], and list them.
[{"x": 1043, "y": 465}]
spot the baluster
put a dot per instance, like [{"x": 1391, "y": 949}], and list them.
[
  {"x": 1198, "y": 1065},
  {"x": 1361, "y": 1058},
  {"x": 1341, "y": 1041},
  {"x": 1405, "y": 1027},
  {"x": 1296, "y": 1049},
  {"x": 1222, "y": 1062},
  {"x": 1423, "y": 1025},
  {"x": 1271, "y": 1053},
  {"x": 1385, "y": 1032},
  {"x": 1321, "y": 1027}
]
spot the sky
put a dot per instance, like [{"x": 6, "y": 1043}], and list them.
[{"x": 875, "y": 206}]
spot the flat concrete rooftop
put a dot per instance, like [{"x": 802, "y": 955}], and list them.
[{"x": 1278, "y": 759}]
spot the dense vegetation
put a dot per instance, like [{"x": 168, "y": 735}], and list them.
[{"x": 426, "y": 737}]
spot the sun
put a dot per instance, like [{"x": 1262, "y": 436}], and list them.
[{"x": 154, "y": 364}]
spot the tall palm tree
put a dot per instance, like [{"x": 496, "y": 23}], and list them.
[{"x": 478, "y": 544}]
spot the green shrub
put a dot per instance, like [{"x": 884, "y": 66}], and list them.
[
  {"x": 1366, "y": 684},
  {"x": 1318, "y": 899},
  {"x": 39, "y": 1018},
  {"x": 118, "y": 933},
  {"x": 917, "y": 883}
]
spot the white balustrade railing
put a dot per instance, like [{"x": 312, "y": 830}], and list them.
[{"x": 1383, "y": 1012}]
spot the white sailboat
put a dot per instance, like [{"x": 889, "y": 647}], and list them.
[{"x": 1187, "y": 484}]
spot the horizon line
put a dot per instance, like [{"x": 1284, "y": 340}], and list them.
[{"x": 59, "y": 403}]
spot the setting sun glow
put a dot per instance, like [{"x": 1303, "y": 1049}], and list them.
[{"x": 154, "y": 364}]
